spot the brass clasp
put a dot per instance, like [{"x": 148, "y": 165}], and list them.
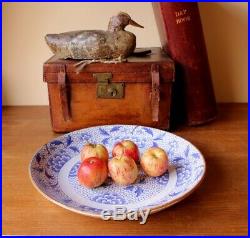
[{"x": 107, "y": 89}]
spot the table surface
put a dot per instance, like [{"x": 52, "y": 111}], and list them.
[{"x": 217, "y": 207}]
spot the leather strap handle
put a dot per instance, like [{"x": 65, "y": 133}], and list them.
[
  {"x": 155, "y": 94},
  {"x": 63, "y": 91}
]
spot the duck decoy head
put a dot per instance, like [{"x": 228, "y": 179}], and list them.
[{"x": 120, "y": 21}]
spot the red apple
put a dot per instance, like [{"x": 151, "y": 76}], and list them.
[
  {"x": 94, "y": 150},
  {"x": 154, "y": 161},
  {"x": 127, "y": 148},
  {"x": 92, "y": 172},
  {"x": 123, "y": 170}
]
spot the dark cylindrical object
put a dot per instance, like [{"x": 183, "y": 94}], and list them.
[{"x": 182, "y": 37}]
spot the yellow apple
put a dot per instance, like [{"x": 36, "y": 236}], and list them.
[
  {"x": 94, "y": 150},
  {"x": 154, "y": 161},
  {"x": 127, "y": 148},
  {"x": 123, "y": 170}
]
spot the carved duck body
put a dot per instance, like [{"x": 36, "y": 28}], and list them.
[{"x": 96, "y": 44}]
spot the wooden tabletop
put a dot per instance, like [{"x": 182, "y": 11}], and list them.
[{"x": 218, "y": 207}]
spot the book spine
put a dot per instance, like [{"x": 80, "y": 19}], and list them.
[{"x": 182, "y": 38}]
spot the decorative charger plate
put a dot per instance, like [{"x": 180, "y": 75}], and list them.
[{"x": 53, "y": 171}]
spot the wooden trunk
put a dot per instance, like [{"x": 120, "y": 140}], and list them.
[{"x": 137, "y": 92}]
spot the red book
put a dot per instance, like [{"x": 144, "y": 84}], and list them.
[{"x": 181, "y": 35}]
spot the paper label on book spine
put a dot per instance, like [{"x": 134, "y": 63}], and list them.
[{"x": 182, "y": 16}]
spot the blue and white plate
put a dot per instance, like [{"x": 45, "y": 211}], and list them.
[{"x": 54, "y": 167}]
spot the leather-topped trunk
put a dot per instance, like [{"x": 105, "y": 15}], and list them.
[{"x": 136, "y": 92}]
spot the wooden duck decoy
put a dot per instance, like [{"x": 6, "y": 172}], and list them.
[{"x": 115, "y": 43}]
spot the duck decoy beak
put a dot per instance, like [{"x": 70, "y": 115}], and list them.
[{"x": 133, "y": 23}]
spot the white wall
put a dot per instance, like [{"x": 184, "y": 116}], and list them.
[
  {"x": 24, "y": 49},
  {"x": 226, "y": 32}
]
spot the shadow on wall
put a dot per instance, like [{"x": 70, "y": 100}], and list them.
[{"x": 226, "y": 58}]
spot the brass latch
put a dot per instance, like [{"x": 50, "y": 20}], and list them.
[{"x": 107, "y": 89}]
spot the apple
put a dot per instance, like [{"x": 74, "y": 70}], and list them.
[
  {"x": 123, "y": 170},
  {"x": 127, "y": 148},
  {"x": 92, "y": 172},
  {"x": 154, "y": 161},
  {"x": 94, "y": 150}
]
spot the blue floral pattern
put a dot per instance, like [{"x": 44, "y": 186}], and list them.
[
  {"x": 163, "y": 179},
  {"x": 109, "y": 198},
  {"x": 73, "y": 171},
  {"x": 183, "y": 175},
  {"x": 135, "y": 189},
  {"x": 56, "y": 164}
]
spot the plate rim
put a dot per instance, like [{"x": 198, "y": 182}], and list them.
[{"x": 152, "y": 210}]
